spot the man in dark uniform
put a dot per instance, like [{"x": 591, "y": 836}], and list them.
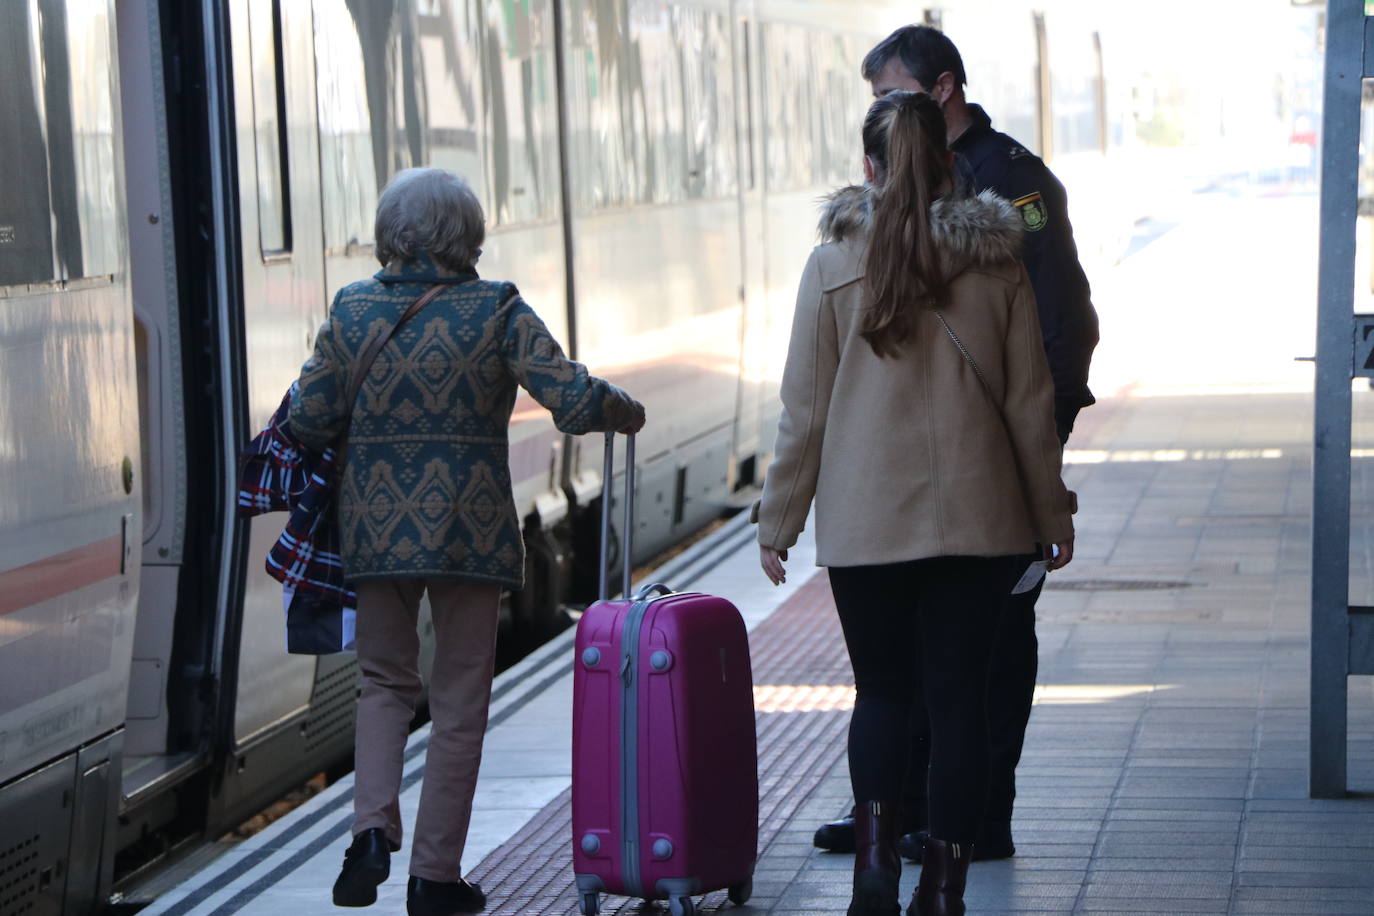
[{"x": 923, "y": 59}]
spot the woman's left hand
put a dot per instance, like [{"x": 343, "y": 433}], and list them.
[
  {"x": 771, "y": 561},
  {"x": 1059, "y": 555}
]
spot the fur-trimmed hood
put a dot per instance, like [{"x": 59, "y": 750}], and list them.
[{"x": 979, "y": 231}]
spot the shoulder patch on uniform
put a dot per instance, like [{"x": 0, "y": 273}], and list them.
[
  {"x": 1032, "y": 210},
  {"x": 1017, "y": 151}
]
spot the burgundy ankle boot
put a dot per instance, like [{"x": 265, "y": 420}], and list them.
[
  {"x": 877, "y": 867},
  {"x": 944, "y": 872}
]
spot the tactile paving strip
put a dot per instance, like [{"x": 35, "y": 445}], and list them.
[{"x": 803, "y": 693}]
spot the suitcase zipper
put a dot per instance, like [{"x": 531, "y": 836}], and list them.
[{"x": 629, "y": 748}]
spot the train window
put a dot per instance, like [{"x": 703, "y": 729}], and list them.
[
  {"x": 78, "y": 59},
  {"x": 708, "y": 102},
  {"x": 522, "y": 114},
  {"x": 395, "y": 88},
  {"x": 788, "y": 148},
  {"x": 1001, "y": 59},
  {"x": 62, "y": 221},
  {"x": 656, "y": 122},
  {"x": 1075, "y": 83},
  {"x": 26, "y": 254},
  {"x": 349, "y": 172},
  {"x": 605, "y": 100},
  {"x": 839, "y": 110},
  {"x": 269, "y": 126},
  {"x": 653, "y": 85},
  {"x": 812, "y": 113},
  {"x": 789, "y": 145},
  {"x": 450, "y": 35}
]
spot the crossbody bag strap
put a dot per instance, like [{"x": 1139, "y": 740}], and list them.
[
  {"x": 369, "y": 354},
  {"x": 968, "y": 357},
  {"x": 987, "y": 389},
  {"x": 368, "y": 357}
]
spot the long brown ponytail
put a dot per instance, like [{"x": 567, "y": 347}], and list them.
[{"x": 904, "y": 136}]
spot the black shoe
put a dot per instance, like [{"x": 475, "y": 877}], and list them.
[
  {"x": 836, "y": 836},
  {"x": 367, "y": 863},
  {"x": 909, "y": 846},
  {"x": 443, "y": 898},
  {"x": 994, "y": 842},
  {"x": 990, "y": 846}
]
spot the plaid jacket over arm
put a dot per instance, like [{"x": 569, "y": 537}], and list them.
[{"x": 280, "y": 473}]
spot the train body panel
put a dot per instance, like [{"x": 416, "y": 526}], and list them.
[
  {"x": 70, "y": 515},
  {"x": 71, "y": 507}
]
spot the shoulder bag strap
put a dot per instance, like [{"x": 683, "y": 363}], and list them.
[
  {"x": 369, "y": 354},
  {"x": 987, "y": 389},
  {"x": 968, "y": 357}
]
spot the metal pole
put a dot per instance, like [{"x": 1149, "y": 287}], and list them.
[{"x": 1344, "y": 68}]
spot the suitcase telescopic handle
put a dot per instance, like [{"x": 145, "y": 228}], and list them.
[{"x": 627, "y": 529}]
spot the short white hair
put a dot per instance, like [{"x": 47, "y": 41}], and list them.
[{"x": 430, "y": 210}]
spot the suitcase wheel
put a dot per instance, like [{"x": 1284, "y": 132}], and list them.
[
  {"x": 591, "y": 904},
  {"x": 682, "y": 906},
  {"x": 740, "y": 893}
]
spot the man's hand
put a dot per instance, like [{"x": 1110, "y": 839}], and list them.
[{"x": 771, "y": 561}]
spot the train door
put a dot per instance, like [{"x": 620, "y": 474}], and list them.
[{"x": 283, "y": 303}]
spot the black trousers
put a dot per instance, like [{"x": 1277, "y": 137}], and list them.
[
  {"x": 924, "y": 629},
  {"x": 1011, "y": 690}
]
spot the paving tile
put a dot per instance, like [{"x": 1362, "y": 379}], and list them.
[
  {"x": 1188, "y": 864},
  {"x": 1148, "y": 904},
  {"x": 1301, "y": 908},
  {"x": 1363, "y": 878},
  {"x": 1176, "y": 827}
]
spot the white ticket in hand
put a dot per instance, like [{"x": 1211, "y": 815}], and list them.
[{"x": 1031, "y": 578}]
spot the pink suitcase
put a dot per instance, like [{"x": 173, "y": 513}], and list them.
[{"x": 665, "y": 765}]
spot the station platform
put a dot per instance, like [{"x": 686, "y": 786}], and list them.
[{"x": 1165, "y": 766}]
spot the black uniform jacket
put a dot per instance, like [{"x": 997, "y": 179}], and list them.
[{"x": 1067, "y": 318}]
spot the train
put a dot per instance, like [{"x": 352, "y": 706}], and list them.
[{"x": 186, "y": 184}]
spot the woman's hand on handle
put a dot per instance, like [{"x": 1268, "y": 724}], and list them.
[
  {"x": 771, "y": 561},
  {"x": 1060, "y": 554},
  {"x": 633, "y": 421}
]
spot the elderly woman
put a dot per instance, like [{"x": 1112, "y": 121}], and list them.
[{"x": 425, "y": 506}]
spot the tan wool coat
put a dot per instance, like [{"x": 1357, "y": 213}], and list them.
[{"x": 908, "y": 457}]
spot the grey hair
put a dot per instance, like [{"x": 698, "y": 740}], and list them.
[{"x": 429, "y": 210}]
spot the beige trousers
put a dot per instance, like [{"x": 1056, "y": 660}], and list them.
[{"x": 465, "y": 616}]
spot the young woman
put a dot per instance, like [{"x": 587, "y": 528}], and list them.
[{"x": 918, "y": 413}]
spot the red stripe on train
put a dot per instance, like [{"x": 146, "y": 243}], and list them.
[{"x": 52, "y": 577}]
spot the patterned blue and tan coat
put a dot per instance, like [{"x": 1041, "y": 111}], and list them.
[{"x": 426, "y": 488}]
